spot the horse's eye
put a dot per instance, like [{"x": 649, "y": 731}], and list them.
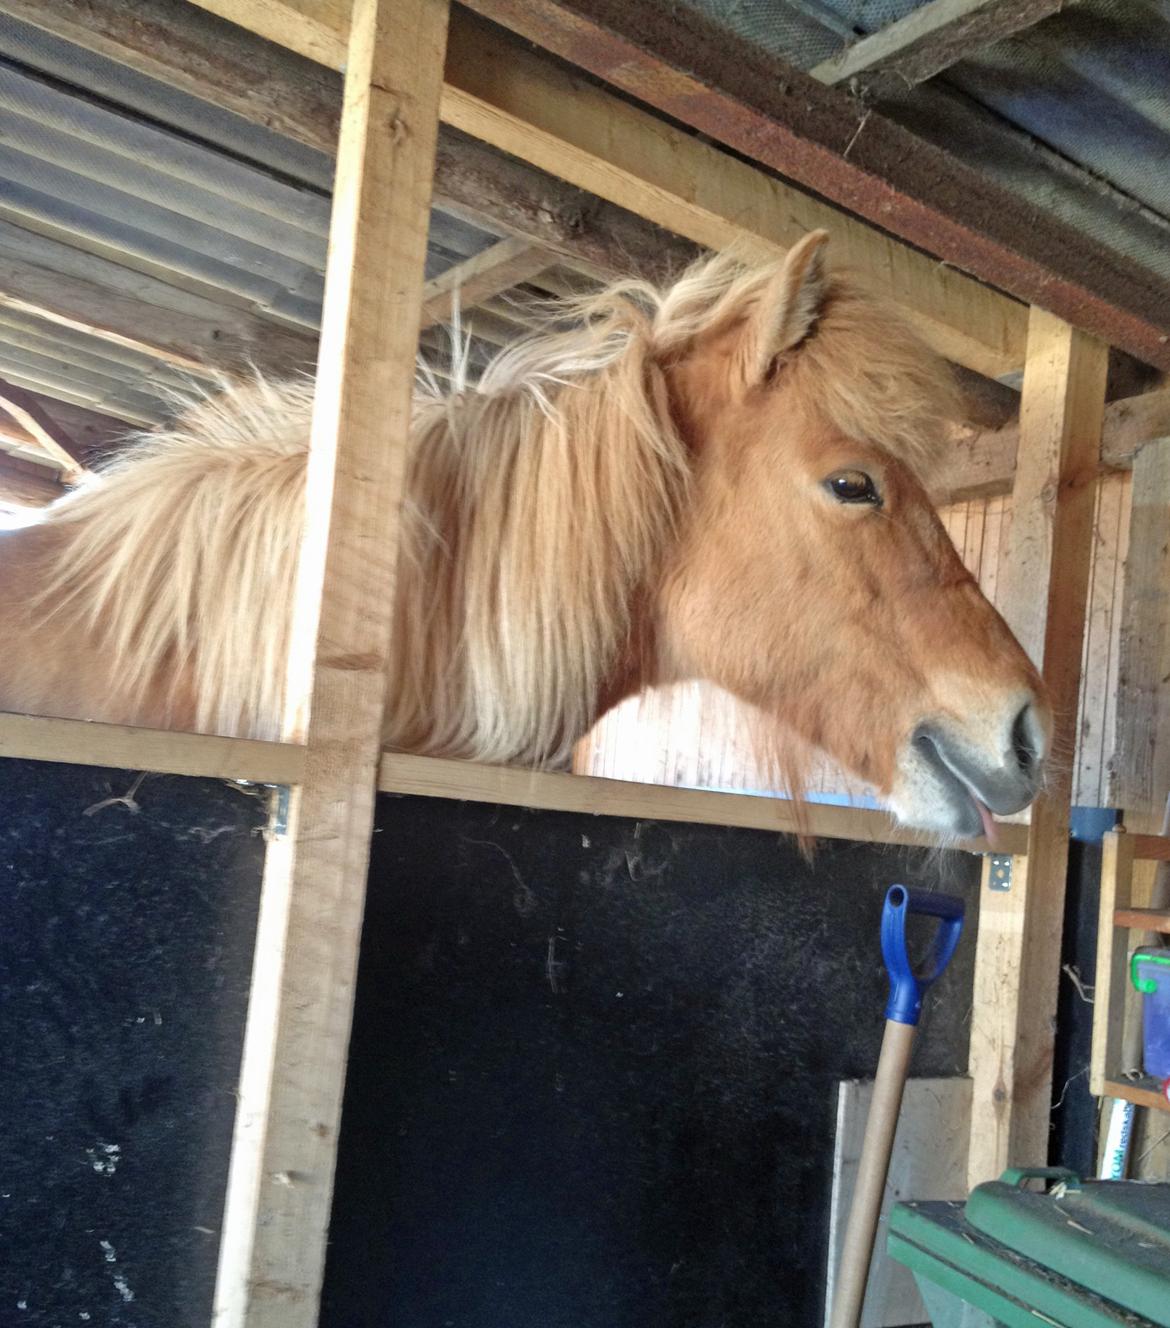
[{"x": 853, "y": 486}]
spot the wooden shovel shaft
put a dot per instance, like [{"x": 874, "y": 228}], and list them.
[{"x": 861, "y": 1231}]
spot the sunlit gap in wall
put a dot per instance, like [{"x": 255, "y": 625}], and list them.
[{"x": 15, "y": 517}]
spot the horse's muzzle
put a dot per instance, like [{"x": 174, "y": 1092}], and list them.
[{"x": 1004, "y": 774}]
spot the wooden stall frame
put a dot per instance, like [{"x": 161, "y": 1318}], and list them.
[
  {"x": 1017, "y": 967},
  {"x": 1119, "y": 927},
  {"x": 249, "y": 760},
  {"x": 279, "y": 1208}
]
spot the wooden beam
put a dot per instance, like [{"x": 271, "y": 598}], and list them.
[
  {"x": 23, "y": 483},
  {"x": 93, "y": 434},
  {"x": 688, "y": 66},
  {"x": 272, "y": 1248},
  {"x": 80, "y": 742},
  {"x": 478, "y": 278},
  {"x": 121, "y": 747},
  {"x": 1142, "y": 919},
  {"x": 102, "y": 332},
  {"x": 1142, "y": 752},
  {"x": 429, "y": 777},
  {"x": 983, "y": 463},
  {"x": 1045, "y": 586},
  {"x": 522, "y": 103},
  {"x": 27, "y": 411},
  {"x": 927, "y": 41},
  {"x": 1117, "y": 863}
]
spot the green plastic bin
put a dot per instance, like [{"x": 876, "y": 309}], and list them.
[{"x": 1082, "y": 1254}]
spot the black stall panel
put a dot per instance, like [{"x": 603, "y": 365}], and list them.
[
  {"x": 126, "y": 938},
  {"x": 592, "y": 1078}
]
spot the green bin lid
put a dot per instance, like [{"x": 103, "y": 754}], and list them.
[{"x": 1112, "y": 1237}]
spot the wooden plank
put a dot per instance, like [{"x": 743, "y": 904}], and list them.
[
  {"x": 56, "y": 444},
  {"x": 929, "y": 1161},
  {"x": 1107, "y": 684},
  {"x": 164, "y": 354},
  {"x": 475, "y": 280},
  {"x": 92, "y": 433},
  {"x": 1142, "y": 756},
  {"x": 1144, "y": 1093},
  {"x": 1142, "y": 919},
  {"x": 1112, "y": 946},
  {"x": 79, "y": 742},
  {"x": 1099, "y": 666},
  {"x": 431, "y": 777},
  {"x": 927, "y": 41},
  {"x": 994, "y": 1016},
  {"x": 272, "y": 1248},
  {"x": 26, "y": 484},
  {"x": 1043, "y": 594},
  {"x": 983, "y": 462},
  {"x": 499, "y": 91}
]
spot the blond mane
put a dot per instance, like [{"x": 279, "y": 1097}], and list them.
[{"x": 540, "y": 503}]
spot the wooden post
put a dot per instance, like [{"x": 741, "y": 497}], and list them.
[
  {"x": 1142, "y": 757},
  {"x": 1109, "y": 990},
  {"x": 272, "y": 1250},
  {"x": 1044, "y": 598}
]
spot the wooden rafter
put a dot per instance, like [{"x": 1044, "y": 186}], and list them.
[
  {"x": 28, "y": 412},
  {"x": 927, "y": 41},
  {"x": 470, "y": 283},
  {"x": 26, "y": 484},
  {"x": 524, "y": 104},
  {"x": 985, "y": 462},
  {"x": 689, "y": 67},
  {"x": 103, "y": 332}
]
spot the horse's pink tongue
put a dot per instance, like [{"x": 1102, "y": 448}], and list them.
[{"x": 990, "y": 826}]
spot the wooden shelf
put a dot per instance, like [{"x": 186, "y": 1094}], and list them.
[
  {"x": 1142, "y": 919},
  {"x": 1142, "y": 1092}
]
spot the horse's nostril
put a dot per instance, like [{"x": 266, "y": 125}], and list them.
[{"x": 1023, "y": 741}]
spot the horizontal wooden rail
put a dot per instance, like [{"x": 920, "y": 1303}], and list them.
[
  {"x": 123, "y": 747},
  {"x": 80, "y": 742},
  {"x": 1142, "y": 919},
  {"x": 1143, "y": 1093},
  {"x": 431, "y": 777}
]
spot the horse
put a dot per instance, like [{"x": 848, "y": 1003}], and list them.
[{"x": 723, "y": 478}]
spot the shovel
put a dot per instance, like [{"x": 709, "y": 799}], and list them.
[{"x": 907, "y": 989}]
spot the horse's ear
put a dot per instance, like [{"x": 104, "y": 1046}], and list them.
[{"x": 788, "y": 306}]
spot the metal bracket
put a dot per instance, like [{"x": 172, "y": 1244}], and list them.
[
  {"x": 278, "y": 822},
  {"x": 1000, "y": 877}
]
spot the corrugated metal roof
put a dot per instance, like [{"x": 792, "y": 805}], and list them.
[
  {"x": 103, "y": 161},
  {"x": 100, "y": 164},
  {"x": 1072, "y": 113}
]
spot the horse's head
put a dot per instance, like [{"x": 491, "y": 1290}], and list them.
[{"x": 814, "y": 578}]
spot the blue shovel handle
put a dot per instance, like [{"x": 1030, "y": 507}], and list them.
[{"x": 907, "y": 987}]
